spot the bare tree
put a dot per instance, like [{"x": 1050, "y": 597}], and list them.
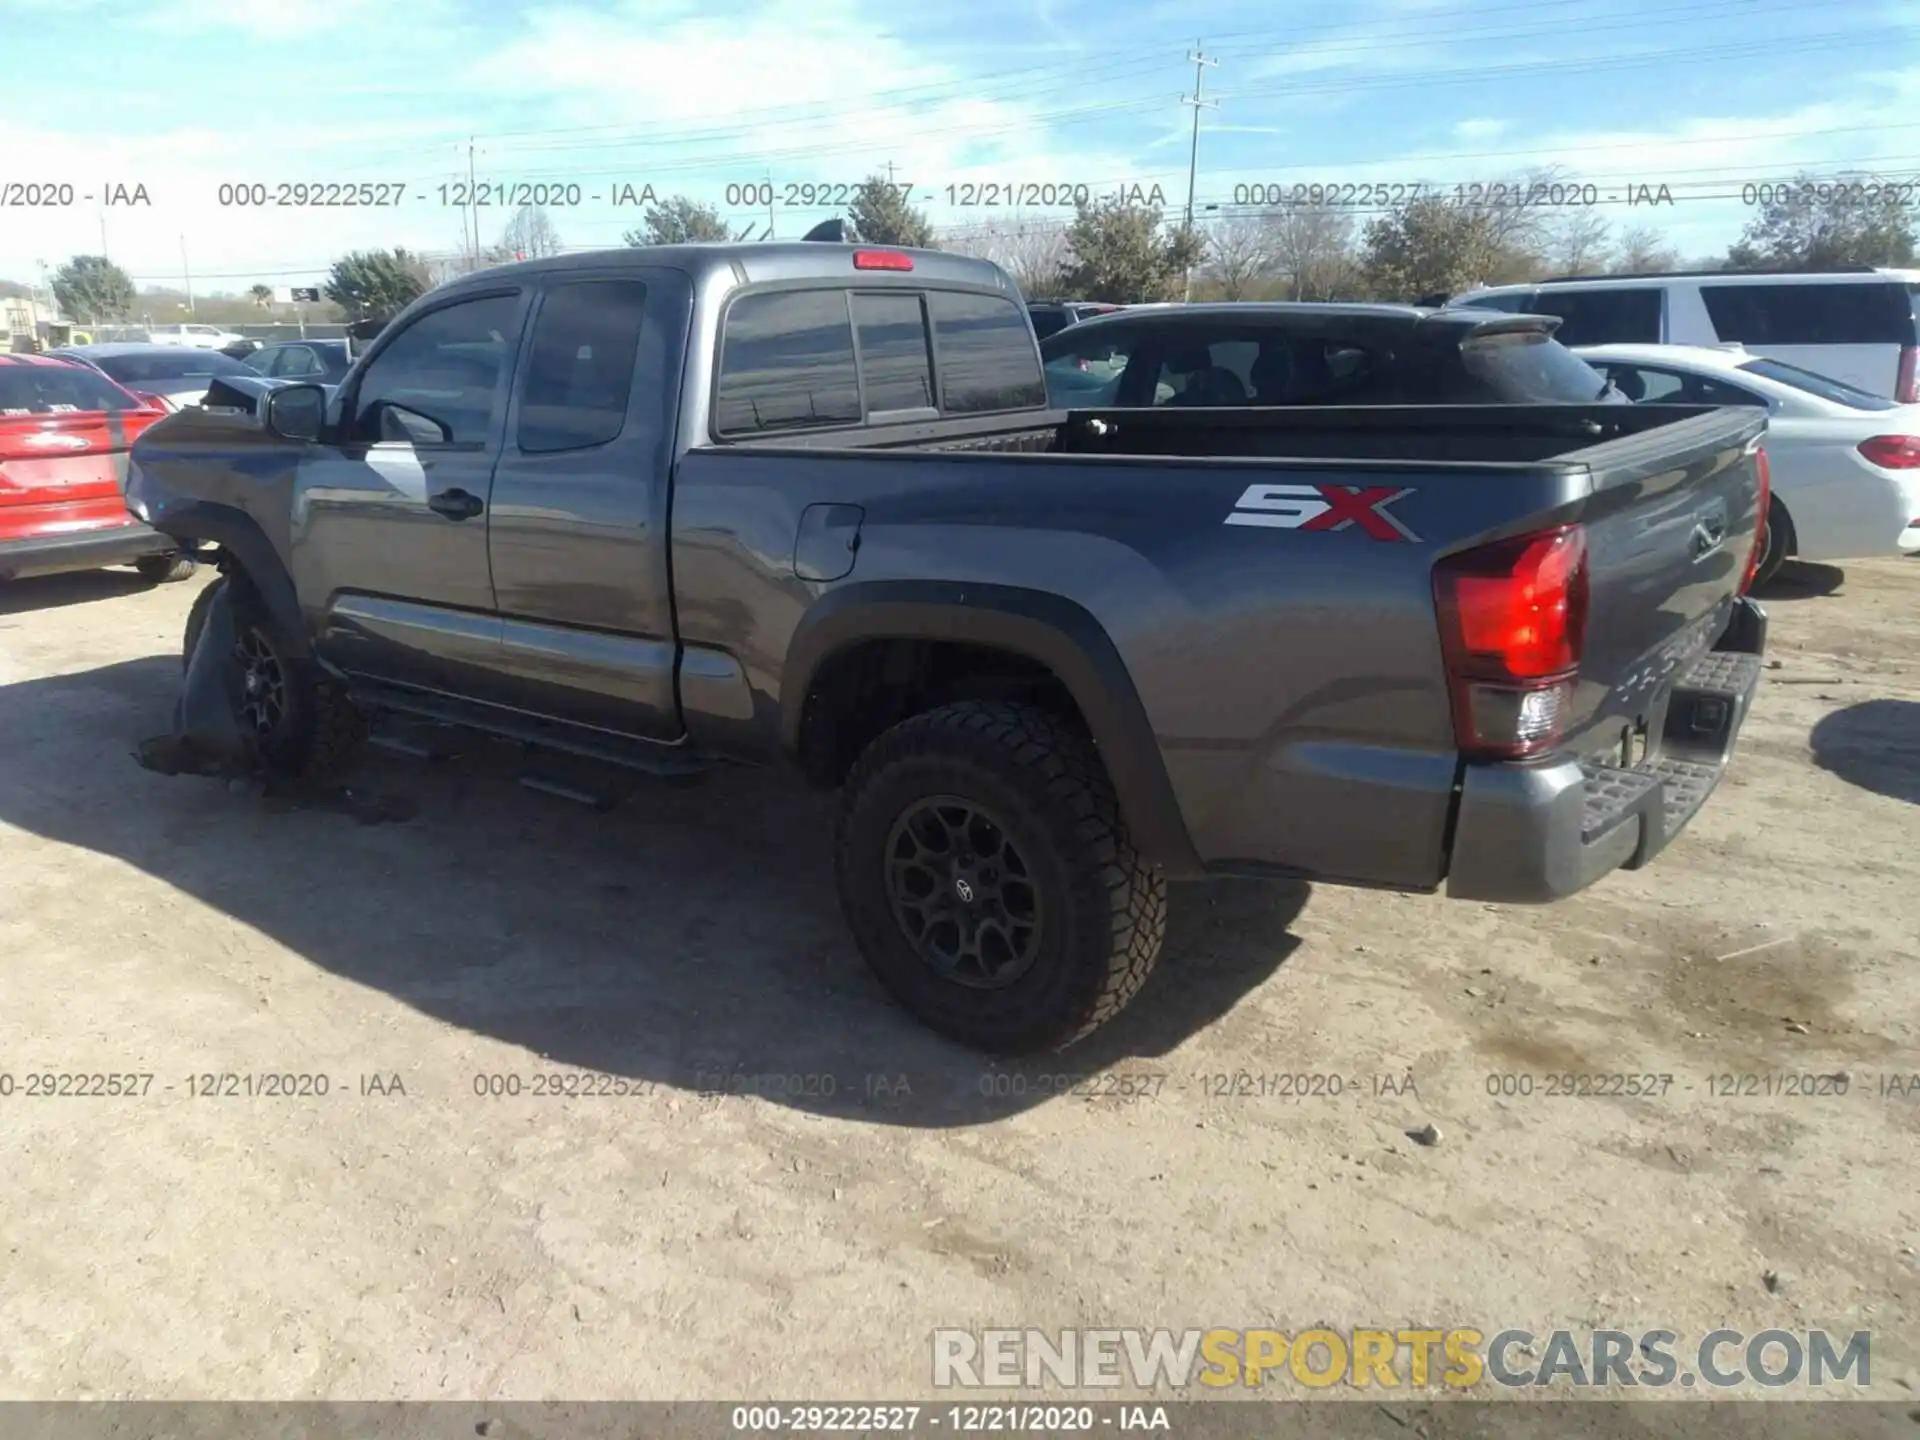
[
  {"x": 1313, "y": 249},
  {"x": 1240, "y": 253},
  {"x": 530, "y": 235},
  {"x": 1643, "y": 251},
  {"x": 1579, "y": 242},
  {"x": 1032, "y": 251}
]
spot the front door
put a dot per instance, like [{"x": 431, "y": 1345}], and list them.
[{"x": 389, "y": 519}]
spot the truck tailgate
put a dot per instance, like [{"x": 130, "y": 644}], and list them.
[
  {"x": 1670, "y": 529},
  {"x": 1671, "y": 660}
]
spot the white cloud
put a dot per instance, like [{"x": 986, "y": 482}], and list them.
[
  {"x": 1473, "y": 132},
  {"x": 687, "y": 99}
]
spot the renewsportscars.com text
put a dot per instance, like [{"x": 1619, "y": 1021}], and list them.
[{"x": 1455, "y": 1358}]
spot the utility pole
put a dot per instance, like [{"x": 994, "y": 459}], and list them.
[
  {"x": 103, "y": 236},
  {"x": 473, "y": 206},
  {"x": 187, "y": 270},
  {"x": 1198, "y": 101}
]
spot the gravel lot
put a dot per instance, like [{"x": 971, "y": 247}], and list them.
[{"x": 806, "y": 1237}]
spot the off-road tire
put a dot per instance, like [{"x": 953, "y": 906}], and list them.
[
  {"x": 1777, "y": 544},
  {"x": 197, "y": 621},
  {"x": 323, "y": 730},
  {"x": 165, "y": 569},
  {"x": 1104, "y": 908}
]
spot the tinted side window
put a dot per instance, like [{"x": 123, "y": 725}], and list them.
[
  {"x": 987, "y": 356},
  {"x": 447, "y": 366},
  {"x": 1830, "y": 314},
  {"x": 1602, "y": 317},
  {"x": 893, "y": 352},
  {"x": 1646, "y": 385},
  {"x": 580, "y": 365},
  {"x": 1048, "y": 322},
  {"x": 1514, "y": 304},
  {"x": 786, "y": 363}
]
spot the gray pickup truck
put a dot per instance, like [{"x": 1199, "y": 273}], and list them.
[{"x": 806, "y": 502}]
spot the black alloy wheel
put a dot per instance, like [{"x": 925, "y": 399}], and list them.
[
  {"x": 963, "y": 893},
  {"x": 264, "y": 696}
]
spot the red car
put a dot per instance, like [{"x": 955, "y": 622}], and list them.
[{"x": 65, "y": 432}]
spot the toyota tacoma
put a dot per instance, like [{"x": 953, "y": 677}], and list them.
[{"x": 806, "y": 502}]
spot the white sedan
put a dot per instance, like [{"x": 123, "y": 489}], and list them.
[{"x": 1845, "y": 463}]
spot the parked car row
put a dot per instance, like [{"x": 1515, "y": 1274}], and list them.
[
  {"x": 68, "y": 420},
  {"x": 66, "y": 431},
  {"x": 1856, "y": 325}
]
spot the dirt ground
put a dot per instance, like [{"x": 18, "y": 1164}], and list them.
[{"x": 416, "y": 1239}]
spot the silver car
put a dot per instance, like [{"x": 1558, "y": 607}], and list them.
[{"x": 174, "y": 373}]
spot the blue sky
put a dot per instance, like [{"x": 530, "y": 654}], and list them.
[{"x": 182, "y": 96}]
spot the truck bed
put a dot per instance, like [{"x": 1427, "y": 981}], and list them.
[
  {"x": 1291, "y": 675},
  {"x": 1479, "y": 434}
]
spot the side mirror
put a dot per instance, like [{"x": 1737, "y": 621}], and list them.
[{"x": 297, "y": 412}]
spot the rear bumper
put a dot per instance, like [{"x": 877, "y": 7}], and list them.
[
  {"x": 80, "y": 550},
  {"x": 1527, "y": 834}
]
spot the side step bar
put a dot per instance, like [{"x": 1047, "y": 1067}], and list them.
[{"x": 671, "y": 762}]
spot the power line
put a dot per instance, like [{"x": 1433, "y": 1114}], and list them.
[
  {"x": 741, "y": 124},
  {"x": 1076, "y": 72}
]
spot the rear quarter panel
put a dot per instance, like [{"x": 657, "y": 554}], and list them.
[{"x": 1292, "y": 678}]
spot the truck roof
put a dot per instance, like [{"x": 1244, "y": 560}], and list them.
[{"x": 754, "y": 262}]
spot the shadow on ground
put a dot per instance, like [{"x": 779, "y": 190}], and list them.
[
  {"x": 691, "y": 937},
  {"x": 1875, "y": 745},
  {"x": 49, "y": 592},
  {"x": 1803, "y": 580}
]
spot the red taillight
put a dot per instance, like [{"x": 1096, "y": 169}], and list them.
[
  {"x": 1763, "y": 500},
  {"x": 152, "y": 402},
  {"x": 1893, "y": 452},
  {"x": 1513, "y": 622},
  {"x": 881, "y": 260},
  {"x": 1906, "y": 388}
]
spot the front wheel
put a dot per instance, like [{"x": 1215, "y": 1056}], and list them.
[
  {"x": 989, "y": 880},
  {"x": 301, "y": 723}
]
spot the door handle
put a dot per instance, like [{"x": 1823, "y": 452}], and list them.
[{"x": 456, "y": 505}]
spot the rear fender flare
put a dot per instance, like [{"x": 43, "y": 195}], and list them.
[{"x": 1042, "y": 627}]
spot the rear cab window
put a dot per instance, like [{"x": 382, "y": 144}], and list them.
[
  {"x": 988, "y": 361},
  {"x": 1530, "y": 367},
  {"x": 827, "y": 357},
  {"x": 895, "y": 364}
]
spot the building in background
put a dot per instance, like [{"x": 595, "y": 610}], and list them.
[{"x": 26, "y": 324}]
